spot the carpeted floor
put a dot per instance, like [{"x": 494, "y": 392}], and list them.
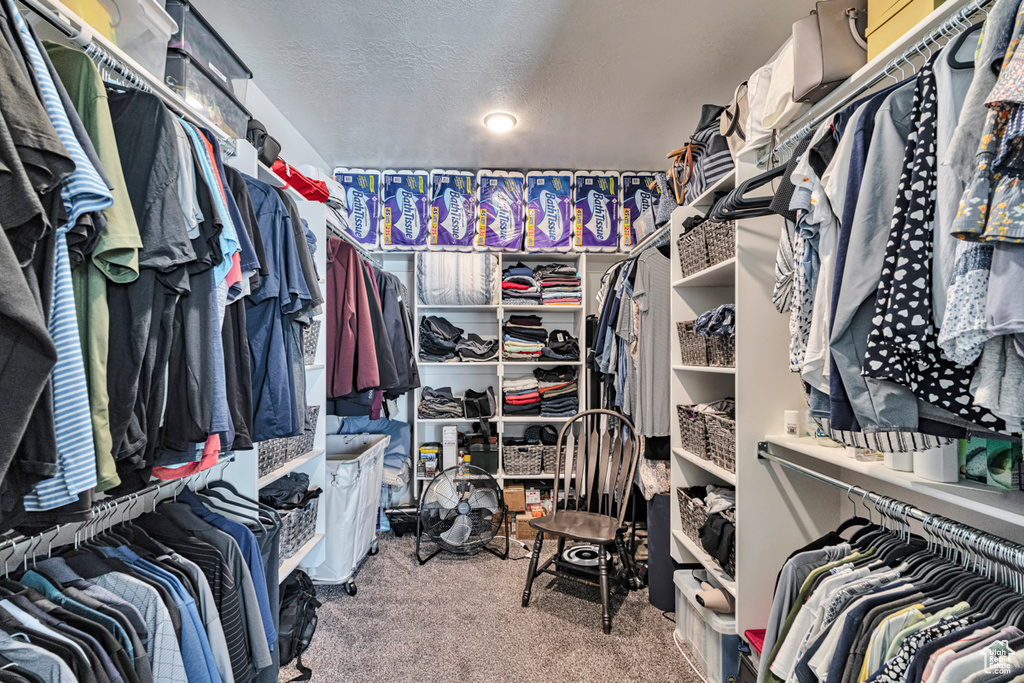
[{"x": 460, "y": 619}]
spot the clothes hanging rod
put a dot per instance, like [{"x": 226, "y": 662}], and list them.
[
  {"x": 85, "y": 39},
  {"x": 360, "y": 249},
  {"x": 997, "y": 550},
  {"x": 651, "y": 240},
  {"x": 953, "y": 25}
]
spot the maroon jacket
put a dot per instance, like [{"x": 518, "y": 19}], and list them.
[{"x": 351, "y": 359}]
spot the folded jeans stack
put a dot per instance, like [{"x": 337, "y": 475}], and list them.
[
  {"x": 559, "y": 284},
  {"x": 439, "y": 404},
  {"x": 521, "y": 396},
  {"x": 443, "y": 342},
  {"x": 438, "y": 339},
  {"x": 559, "y": 391},
  {"x": 524, "y": 338},
  {"x": 561, "y": 346},
  {"x": 519, "y": 287}
]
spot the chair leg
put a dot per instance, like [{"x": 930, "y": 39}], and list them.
[
  {"x": 606, "y": 617},
  {"x": 626, "y": 558},
  {"x": 532, "y": 571}
]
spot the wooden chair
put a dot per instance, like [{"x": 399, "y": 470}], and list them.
[{"x": 606, "y": 450}]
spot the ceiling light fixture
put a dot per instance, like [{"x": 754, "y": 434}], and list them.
[{"x": 500, "y": 122}]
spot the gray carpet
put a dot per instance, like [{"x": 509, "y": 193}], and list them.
[{"x": 460, "y": 619}]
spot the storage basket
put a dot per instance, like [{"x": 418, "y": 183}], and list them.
[
  {"x": 549, "y": 455},
  {"x": 693, "y": 253},
  {"x": 720, "y": 240},
  {"x": 303, "y": 443},
  {"x": 721, "y": 351},
  {"x": 520, "y": 460},
  {"x": 297, "y": 527},
  {"x": 692, "y": 431},
  {"x": 309, "y": 343},
  {"x": 271, "y": 454},
  {"x": 721, "y": 440},
  {"x": 693, "y": 348},
  {"x": 693, "y": 516}
]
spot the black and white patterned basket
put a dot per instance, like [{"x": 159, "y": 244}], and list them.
[
  {"x": 309, "y": 340},
  {"x": 303, "y": 443},
  {"x": 297, "y": 527},
  {"x": 520, "y": 460}
]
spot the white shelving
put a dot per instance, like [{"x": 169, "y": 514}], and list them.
[
  {"x": 300, "y": 558},
  {"x": 720, "y": 577},
  {"x": 719, "y": 275},
  {"x": 289, "y": 467},
  {"x": 704, "y": 368},
  {"x": 487, "y": 320},
  {"x": 706, "y": 465}
]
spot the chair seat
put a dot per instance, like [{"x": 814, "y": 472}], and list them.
[{"x": 580, "y": 525}]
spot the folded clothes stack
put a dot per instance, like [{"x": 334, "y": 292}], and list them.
[
  {"x": 524, "y": 338},
  {"x": 521, "y": 396},
  {"x": 561, "y": 346},
  {"x": 439, "y": 404},
  {"x": 442, "y": 342},
  {"x": 559, "y": 391},
  {"x": 559, "y": 284},
  {"x": 519, "y": 287}
]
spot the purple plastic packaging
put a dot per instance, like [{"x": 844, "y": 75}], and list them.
[
  {"x": 639, "y": 207},
  {"x": 403, "y": 214},
  {"x": 548, "y": 211},
  {"x": 500, "y": 212},
  {"x": 597, "y": 211},
  {"x": 452, "y": 210},
  {"x": 361, "y": 201}
]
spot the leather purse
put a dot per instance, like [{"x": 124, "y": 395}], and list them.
[
  {"x": 828, "y": 47},
  {"x": 734, "y": 120}
]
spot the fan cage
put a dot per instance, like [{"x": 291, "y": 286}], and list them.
[{"x": 440, "y": 503}]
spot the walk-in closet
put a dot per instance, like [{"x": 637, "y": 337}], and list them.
[{"x": 497, "y": 341}]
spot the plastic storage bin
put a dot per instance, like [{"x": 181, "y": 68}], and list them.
[
  {"x": 139, "y": 27},
  {"x": 711, "y": 636},
  {"x": 202, "y": 43},
  {"x": 195, "y": 84}
]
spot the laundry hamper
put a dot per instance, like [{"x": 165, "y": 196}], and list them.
[{"x": 355, "y": 469}]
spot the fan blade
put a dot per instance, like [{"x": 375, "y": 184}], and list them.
[
  {"x": 443, "y": 489},
  {"x": 484, "y": 499},
  {"x": 460, "y": 531}
]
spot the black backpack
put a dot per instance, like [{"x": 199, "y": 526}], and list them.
[{"x": 297, "y": 621}]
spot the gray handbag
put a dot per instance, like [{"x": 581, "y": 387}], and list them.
[{"x": 828, "y": 47}]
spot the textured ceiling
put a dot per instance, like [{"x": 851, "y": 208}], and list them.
[{"x": 595, "y": 84}]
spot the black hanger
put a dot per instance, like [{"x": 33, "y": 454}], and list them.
[
  {"x": 851, "y": 523},
  {"x": 954, "y": 48}
]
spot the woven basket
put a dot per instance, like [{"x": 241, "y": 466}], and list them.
[
  {"x": 309, "y": 340},
  {"x": 720, "y": 240},
  {"x": 693, "y": 348},
  {"x": 303, "y": 443},
  {"x": 271, "y": 454},
  {"x": 693, "y": 253},
  {"x": 549, "y": 454},
  {"x": 297, "y": 527},
  {"x": 721, "y": 351},
  {"x": 693, "y": 516},
  {"x": 519, "y": 460},
  {"x": 721, "y": 440},
  {"x": 692, "y": 432}
]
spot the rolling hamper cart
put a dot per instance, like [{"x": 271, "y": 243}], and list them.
[{"x": 355, "y": 467}]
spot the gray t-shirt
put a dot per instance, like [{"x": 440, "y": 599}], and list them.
[{"x": 651, "y": 292}]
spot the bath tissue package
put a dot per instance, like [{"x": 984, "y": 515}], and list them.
[
  {"x": 548, "y": 211},
  {"x": 452, "y": 210},
  {"x": 404, "y": 222},
  {"x": 500, "y": 210},
  {"x": 639, "y": 207},
  {"x": 362, "y": 203},
  {"x": 597, "y": 211}
]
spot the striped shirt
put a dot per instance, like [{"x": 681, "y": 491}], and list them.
[{"x": 82, "y": 192}]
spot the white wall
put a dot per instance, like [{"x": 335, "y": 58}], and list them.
[{"x": 294, "y": 148}]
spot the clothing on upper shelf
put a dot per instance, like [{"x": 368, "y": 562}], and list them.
[
  {"x": 369, "y": 335},
  {"x": 524, "y": 338},
  {"x": 128, "y": 247},
  {"x": 442, "y": 342},
  {"x": 631, "y": 344},
  {"x": 440, "y": 403},
  {"x": 555, "y": 284},
  {"x": 914, "y": 341}
]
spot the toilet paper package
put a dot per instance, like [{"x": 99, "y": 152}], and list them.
[
  {"x": 597, "y": 211},
  {"x": 362, "y": 204},
  {"x": 404, "y": 222},
  {"x": 500, "y": 210},
  {"x": 639, "y": 207},
  {"x": 452, "y": 210},
  {"x": 548, "y": 211}
]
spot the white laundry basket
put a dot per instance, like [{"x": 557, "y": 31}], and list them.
[{"x": 355, "y": 467}]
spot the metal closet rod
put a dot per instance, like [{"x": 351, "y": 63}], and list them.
[
  {"x": 103, "y": 515},
  {"x": 1003, "y": 558},
  {"x": 360, "y": 249},
  {"x": 84, "y": 39},
  {"x": 955, "y": 24}
]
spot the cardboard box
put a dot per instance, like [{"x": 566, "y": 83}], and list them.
[
  {"x": 889, "y": 20},
  {"x": 525, "y": 532},
  {"x": 515, "y": 497}
]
